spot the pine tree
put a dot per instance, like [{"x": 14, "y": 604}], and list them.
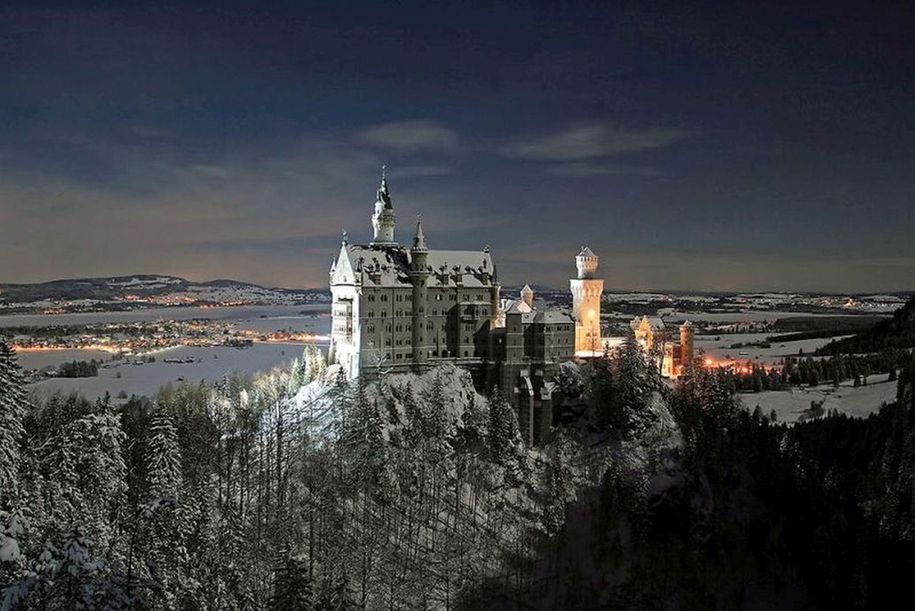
[
  {"x": 504, "y": 435},
  {"x": 163, "y": 520},
  {"x": 292, "y": 589},
  {"x": 163, "y": 458},
  {"x": 12, "y": 409}
]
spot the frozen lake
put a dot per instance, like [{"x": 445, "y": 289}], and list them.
[
  {"x": 263, "y": 318},
  {"x": 210, "y": 363}
]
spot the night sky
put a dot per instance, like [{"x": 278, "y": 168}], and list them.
[{"x": 704, "y": 146}]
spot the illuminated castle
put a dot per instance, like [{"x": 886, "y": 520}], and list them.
[
  {"x": 670, "y": 357},
  {"x": 586, "y": 294},
  {"x": 398, "y": 309}
]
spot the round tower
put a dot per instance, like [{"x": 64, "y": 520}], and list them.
[
  {"x": 586, "y": 295},
  {"x": 686, "y": 343},
  {"x": 586, "y": 262},
  {"x": 383, "y": 219},
  {"x": 419, "y": 276}
]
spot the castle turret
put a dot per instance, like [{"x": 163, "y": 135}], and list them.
[
  {"x": 686, "y": 343},
  {"x": 383, "y": 219},
  {"x": 586, "y": 262},
  {"x": 586, "y": 294},
  {"x": 419, "y": 276},
  {"x": 527, "y": 295}
]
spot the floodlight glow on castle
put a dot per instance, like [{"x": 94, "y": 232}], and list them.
[{"x": 398, "y": 308}]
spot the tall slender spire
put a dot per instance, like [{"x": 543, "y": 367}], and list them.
[
  {"x": 419, "y": 242},
  {"x": 383, "y": 194},
  {"x": 383, "y": 218}
]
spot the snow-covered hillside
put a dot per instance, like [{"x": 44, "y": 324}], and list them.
[{"x": 126, "y": 292}]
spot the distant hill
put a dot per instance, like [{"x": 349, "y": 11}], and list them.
[
  {"x": 147, "y": 290},
  {"x": 897, "y": 332}
]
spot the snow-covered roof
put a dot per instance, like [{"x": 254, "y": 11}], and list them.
[
  {"x": 654, "y": 322},
  {"x": 382, "y": 265},
  {"x": 539, "y": 313},
  {"x": 553, "y": 317},
  {"x": 586, "y": 252}
]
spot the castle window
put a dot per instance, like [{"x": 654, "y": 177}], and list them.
[
  {"x": 371, "y": 314},
  {"x": 399, "y": 356},
  {"x": 384, "y": 314},
  {"x": 384, "y": 297},
  {"x": 398, "y": 297},
  {"x": 438, "y": 296}
]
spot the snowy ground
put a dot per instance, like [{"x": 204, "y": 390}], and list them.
[
  {"x": 210, "y": 364},
  {"x": 720, "y": 349},
  {"x": 790, "y": 405},
  {"x": 671, "y": 315}
]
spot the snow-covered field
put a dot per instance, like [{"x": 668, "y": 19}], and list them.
[
  {"x": 671, "y": 315},
  {"x": 721, "y": 351},
  {"x": 210, "y": 364},
  {"x": 790, "y": 405}
]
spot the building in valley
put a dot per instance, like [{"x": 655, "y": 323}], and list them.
[{"x": 655, "y": 339}]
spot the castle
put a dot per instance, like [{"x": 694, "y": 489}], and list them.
[
  {"x": 671, "y": 357},
  {"x": 398, "y": 309}
]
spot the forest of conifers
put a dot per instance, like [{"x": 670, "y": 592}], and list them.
[{"x": 298, "y": 490}]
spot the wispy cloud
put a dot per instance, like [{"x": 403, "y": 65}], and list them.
[
  {"x": 584, "y": 169},
  {"x": 411, "y": 136},
  {"x": 590, "y": 141}
]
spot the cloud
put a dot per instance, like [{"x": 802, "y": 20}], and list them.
[
  {"x": 584, "y": 169},
  {"x": 254, "y": 213},
  {"x": 420, "y": 171},
  {"x": 590, "y": 141},
  {"x": 411, "y": 136}
]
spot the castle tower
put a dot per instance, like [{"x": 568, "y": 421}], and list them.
[
  {"x": 527, "y": 295},
  {"x": 586, "y": 294},
  {"x": 345, "y": 311},
  {"x": 383, "y": 218},
  {"x": 419, "y": 276},
  {"x": 686, "y": 343}
]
